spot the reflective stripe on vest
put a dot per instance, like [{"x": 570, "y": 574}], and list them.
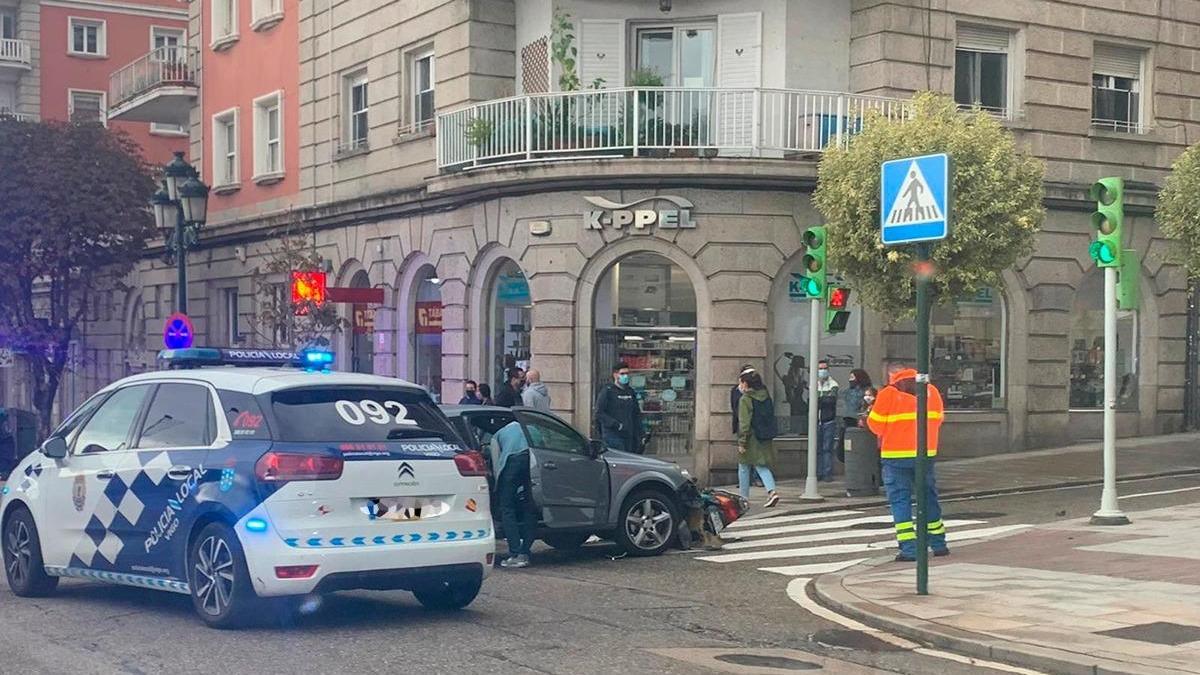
[
  {"x": 903, "y": 417},
  {"x": 893, "y": 453}
]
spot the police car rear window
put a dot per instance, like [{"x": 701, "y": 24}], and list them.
[
  {"x": 356, "y": 414},
  {"x": 243, "y": 414}
]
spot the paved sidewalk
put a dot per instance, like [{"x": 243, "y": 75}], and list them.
[
  {"x": 1061, "y": 598},
  {"x": 1151, "y": 456}
]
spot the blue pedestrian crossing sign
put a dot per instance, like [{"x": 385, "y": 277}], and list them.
[{"x": 914, "y": 199}]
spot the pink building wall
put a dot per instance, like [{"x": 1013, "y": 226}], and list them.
[
  {"x": 128, "y": 39},
  {"x": 259, "y": 63}
]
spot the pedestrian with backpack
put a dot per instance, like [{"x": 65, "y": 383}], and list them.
[{"x": 757, "y": 429}]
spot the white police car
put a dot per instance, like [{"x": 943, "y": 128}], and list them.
[{"x": 234, "y": 484}]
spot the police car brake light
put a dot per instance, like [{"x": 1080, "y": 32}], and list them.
[
  {"x": 470, "y": 463},
  {"x": 276, "y": 467}
]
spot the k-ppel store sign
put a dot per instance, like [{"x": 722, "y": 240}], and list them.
[{"x": 620, "y": 216}]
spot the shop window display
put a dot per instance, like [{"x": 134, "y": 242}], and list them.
[
  {"x": 512, "y": 321},
  {"x": 427, "y": 332},
  {"x": 1087, "y": 349},
  {"x": 646, "y": 317},
  {"x": 966, "y": 361}
]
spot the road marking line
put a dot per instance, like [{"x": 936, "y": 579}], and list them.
[
  {"x": 796, "y": 590},
  {"x": 812, "y": 569},
  {"x": 839, "y": 549},
  {"x": 1160, "y": 492},
  {"x": 813, "y": 527},
  {"x": 758, "y": 522},
  {"x": 830, "y": 536}
]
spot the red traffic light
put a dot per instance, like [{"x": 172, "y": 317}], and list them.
[
  {"x": 308, "y": 289},
  {"x": 839, "y": 298}
]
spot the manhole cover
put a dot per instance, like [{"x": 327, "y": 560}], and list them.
[
  {"x": 851, "y": 639},
  {"x": 1159, "y": 632},
  {"x": 760, "y": 661},
  {"x": 870, "y": 526},
  {"x": 973, "y": 515}
]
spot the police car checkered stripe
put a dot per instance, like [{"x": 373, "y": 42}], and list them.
[
  {"x": 387, "y": 540},
  {"x": 119, "y": 578}
]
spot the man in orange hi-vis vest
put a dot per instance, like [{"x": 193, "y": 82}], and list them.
[{"x": 893, "y": 420}]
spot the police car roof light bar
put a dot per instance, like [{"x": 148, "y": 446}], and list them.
[{"x": 195, "y": 357}]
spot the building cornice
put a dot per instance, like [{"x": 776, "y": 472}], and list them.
[{"x": 111, "y": 7}]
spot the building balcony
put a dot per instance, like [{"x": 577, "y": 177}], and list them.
[
  {"x": 655, "y": 122},
  {"x": 6, "y": 114},
  {"x": 16, "y": 54},
  {"x": 159, "y": 87}
]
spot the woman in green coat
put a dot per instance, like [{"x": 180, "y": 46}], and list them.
[{"x": 753, "y": 452}]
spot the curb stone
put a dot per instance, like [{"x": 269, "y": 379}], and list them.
[{"x": 829, "y": 591}]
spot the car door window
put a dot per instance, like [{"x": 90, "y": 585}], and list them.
[
  {"x": 486, "y": 425},
  {"x": 180, "y": 416},
  {"x": 551, "y": 434},
  {"x": 68, "y": 429},
  {"x": 109, "y": 428}
]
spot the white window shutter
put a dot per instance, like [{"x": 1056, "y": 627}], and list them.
[
  {"x": 739, "y": 56},
  {"x": 983, "y": 38},
  {"x": 601, "y": 52},
  {"x": 1117, "y": 61}
]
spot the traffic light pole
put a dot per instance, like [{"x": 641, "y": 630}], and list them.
[
  {"x": 811, "y": 494},
  {"x": 922, "y": 463},
  {"x": 1110, "y": 512}
]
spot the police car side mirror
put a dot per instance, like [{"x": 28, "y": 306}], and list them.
[{"x": 54, "y": 448}]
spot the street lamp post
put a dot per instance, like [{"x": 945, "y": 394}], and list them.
[{"x": 181, "y": 190}]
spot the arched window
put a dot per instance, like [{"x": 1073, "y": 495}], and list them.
[
  {"x": 1087, "y": 349},
  {"x": 645, "y": 317},
  {"x": 362, "y": 330},
  {"x": 427, "y": 331},
  {"x": 511, "y": 320}
]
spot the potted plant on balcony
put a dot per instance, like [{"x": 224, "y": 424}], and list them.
[
  {"x": 479, "y": 133},
  {"x": 650, "y": 105}
]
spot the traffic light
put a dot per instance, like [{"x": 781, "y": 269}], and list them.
[
  {"x": 813, "y": 283},
  {"x": 1108, "y": 221},
  {"x": 308, "y": 290},
  {"x": 837, "y": 314}
]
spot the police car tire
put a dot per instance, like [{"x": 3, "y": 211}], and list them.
[
  {"x": 241, "y": 604},
  {"x": 35, "y": 583},
  {"x": 632, "y": 504},
  {"x": 449, "y": 594}
]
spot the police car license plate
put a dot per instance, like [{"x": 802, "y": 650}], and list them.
[{"x": 403, "y": 509}]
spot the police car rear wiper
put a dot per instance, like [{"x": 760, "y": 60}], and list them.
[{"x": 408, "y": 432}]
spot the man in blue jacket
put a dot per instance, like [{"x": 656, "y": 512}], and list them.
[{"x": 518, "y": 513}]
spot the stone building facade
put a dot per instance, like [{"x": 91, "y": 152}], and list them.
[{"x": 493, "y": 228}]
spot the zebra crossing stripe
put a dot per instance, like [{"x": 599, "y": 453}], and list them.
[
  {"x": 775, "y": 520},
  {"x": 841, "y": 549},
  {"x": 812, "y": 569},
  {"x": 813, "y": 527},
  {"x": 832, "y": 536}
]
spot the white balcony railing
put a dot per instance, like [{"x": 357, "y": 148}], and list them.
[
  {"x": 165, "y": 66},
  {"x": 6, "y": 114},
  {"x": 15, "y": 51},
  {"x": 655, "y": 121}
]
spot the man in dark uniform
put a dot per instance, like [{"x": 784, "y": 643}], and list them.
[
  {"x": 509, "y": 394},
  {"x": 619, "y": 413}
]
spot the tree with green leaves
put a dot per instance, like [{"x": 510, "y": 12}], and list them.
[
  {"x": 282, "y": 322},
  {"x": 997, "y": 208},
  {"x": 74, "y": 218},
  {"x": 1178, "y": 211}
]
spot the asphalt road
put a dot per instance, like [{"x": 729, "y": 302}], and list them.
[{"x": 570, "y": 613}]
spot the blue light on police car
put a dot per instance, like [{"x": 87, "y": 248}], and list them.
[
  {"x": 256, "y": 525},
  {"x": 317, "y": 359}
]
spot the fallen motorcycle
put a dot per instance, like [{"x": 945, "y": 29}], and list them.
[{"x": 710, "y": 511}]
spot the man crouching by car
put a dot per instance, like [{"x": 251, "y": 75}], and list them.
[
  {"x": 518, "y": 513},
  {"x": 619, "y": 413}
]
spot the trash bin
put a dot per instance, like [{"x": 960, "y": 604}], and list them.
[{"x": 862, "y": 463}]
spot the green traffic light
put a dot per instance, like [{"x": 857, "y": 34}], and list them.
[
  {"x": 812, "y": 289},
  {"x": 1102, "y": 253}
]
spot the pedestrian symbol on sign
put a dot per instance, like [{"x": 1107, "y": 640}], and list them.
[
  {"x": 915, "y": 203},
  {"x": 914, "y": 199}
]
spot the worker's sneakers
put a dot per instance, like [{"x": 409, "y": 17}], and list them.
[
  {"x": 772, "y": 500},
  {"x": 900, "y": 557},
  {"x": 941, "y": 552},
  {"x": 516, "y": 562}
]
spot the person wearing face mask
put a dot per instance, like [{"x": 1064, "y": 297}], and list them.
[
  {"x": 619, "y": 413},
  {"x": 470, "y": 395},
  {"x": 510, "y": 392},
  {"x": 827, "y": 421},
  {"x": 851, "y": 407}
]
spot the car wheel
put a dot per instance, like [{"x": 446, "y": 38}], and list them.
[
  {"x": 646, "y": 524},
  {"x": 449, "y": 594},
  {"x": 23, "y": 557},
  {"x": 220, "y": 584},
  {"x": 566, "y": 541}
]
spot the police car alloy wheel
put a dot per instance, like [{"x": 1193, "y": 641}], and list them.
[
  {"x": 23, "y": 557},
  {"x": 450, "y": 594},
  {"x": 220, "y": 584},
  {"x": 646, "y": 525}
]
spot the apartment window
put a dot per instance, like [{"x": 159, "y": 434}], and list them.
[
  {"x": 8, "y": 25},
  {"x": 268, "y": 138},
  {"x": 422, "y": 89},
  {"x": 165, "y": 44},
  {"x": 357, "y": 106},
  {"x": 281, "y": 310},
  {"x": 224, "y": 23},
  {"x": 982, "y": 75},
  {"x": 265, "y": 13},
  {"x": 1117, "y": 74},
  {"x": 225, "y": 150},
  {"x": 232, "y": 335},
  {"x": 87, "y": 37},
  {"x": 87, "y": 107}
]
